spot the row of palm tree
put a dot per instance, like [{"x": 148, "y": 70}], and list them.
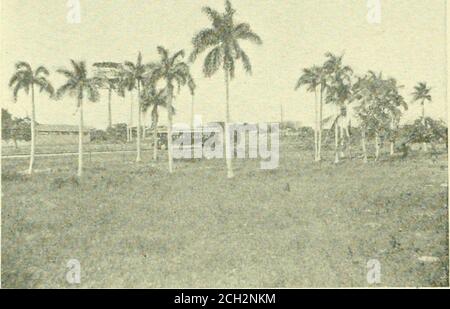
[
  {"x": 379, "y": 103},
  {"x": 221, "y": 42}
]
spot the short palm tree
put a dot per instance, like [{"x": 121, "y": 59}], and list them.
[
  {"x": 153, "y": 99},
  {"x": 25, "y": 78},
  {"x": 79, "y": 86},
  {"x": 108, "y": 75},
  {"x": 311, "y": 79},
  {"x": 135, "y": 74},
  {"x": 222, "y": 40},
  {"x": 396, "y": 104},
  {"x": 422, "y": 94},
  {"x": 126, "y": 83},
  {"x": 172, "y": 70}
]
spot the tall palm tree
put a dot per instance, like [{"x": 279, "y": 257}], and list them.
[
  {"x": 25, "y": 78},
  {"x": 153, "y": 98},
  {"x": 339, "y": 87},
  {"x": 135, "y": 73},
  {"x": 79, "y": 85},
  {"x": 422, "y": 94},
  {"x": 222, "y": 40},
  {"x": 172, "y": 70},
  {"x": 311, "y": 79}
]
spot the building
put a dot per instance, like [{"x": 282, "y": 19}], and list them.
[{"x": 47, "y": 134}]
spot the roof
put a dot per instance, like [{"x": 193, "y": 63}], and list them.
[{"x": 59, "y": 128}]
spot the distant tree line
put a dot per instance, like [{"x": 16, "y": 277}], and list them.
[{"x": 15, "y": 128}]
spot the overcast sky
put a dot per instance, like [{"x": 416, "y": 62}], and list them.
[{"x": 409, "y": 44}]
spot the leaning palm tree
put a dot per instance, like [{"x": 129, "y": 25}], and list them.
[
  {"x": 172, "y": 70},
  {"x": 153, "y": 98},
  {"x": 422, "y": 94},
  {"x": 79, "y": 85},
  {"x": 25, "y": 78},
  {"x": 311, "y": 79},
  {"x": 135, "y": 74},
  {"x": 222, "y": 40}
]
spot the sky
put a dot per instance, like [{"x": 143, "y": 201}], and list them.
[{"x": 409, "y": 44}]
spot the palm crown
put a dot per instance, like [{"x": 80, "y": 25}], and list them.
[
  {"x": 134, "y": 72},
  {"x": 108, "y": 74},
  {"x": 338, "y": 79},
  {"x": 171, "y": 69},
  {"x": 78, "y": 83},
  {"x": 421, "y": 93},
  {"x": 223, "y": 40},
  {"x": 153, "y": 98},
  {"x": 24, "y": 78},
  {"x": 311, "y": 77}
]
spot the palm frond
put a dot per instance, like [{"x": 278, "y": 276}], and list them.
[
  {"x": 22, "y": 65},
  {"x": 212, "y": 62},
  {"x": 41, "y": 70}
]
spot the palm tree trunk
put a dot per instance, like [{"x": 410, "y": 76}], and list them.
[
  {"x": 316, "y": 129},
  {"x": 319, "y": 151},
  {"x": 192, "y": 112},
  {"x": 80, "y": 139},
  {"x": 424, "y": 148},
  {"x": 109, "y": 108},
  {"x": 228, "y": 153},
  {"x": 377, "y": 146},
  {"x": 144, "y": 115},
  {"x": 392, "y": 150},
  {"x": 138, "y": 129},
  {"x": 342, "y": 141},
  {"x": 155, "y": 132},
  {"x": 336, "y": 140},
  {"x": 363, "y": 143},
  {"x": 128, "y": 125},
  {"x": 349, "y": 142},
  {"x": 169, "y": 128},
  {"x": 131, "y": 115},
  {"x": 33, "y": 132}
]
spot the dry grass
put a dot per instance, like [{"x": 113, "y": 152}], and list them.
[{"x": 304, "y": 224}]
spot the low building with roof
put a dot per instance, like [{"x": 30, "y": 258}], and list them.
[{"x": 50, "y": 134}]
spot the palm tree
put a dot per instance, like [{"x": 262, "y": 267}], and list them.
[
  {"x": 172, "y": 70},
  {"x": 395, "y": 103},
  {"x": 25, "y": 78},
  {"x": 338, "y": 81},
  {"x": 79, "y": 85},
  {"x": 135, "y": 74},
  {"x": 311, "y": 79},
  {"x": 126, "y": 83},
  {"x": 222, "y": 39},
  {"x": 109, "y": 76},
  {"x": 422, "y": 94},
  {"x": 362, "y": 91},
  {"x": 152, "y": 98}
]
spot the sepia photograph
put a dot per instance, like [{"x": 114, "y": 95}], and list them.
[{"x": 226, "y": 144}]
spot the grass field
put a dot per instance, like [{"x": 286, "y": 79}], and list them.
[{"x": 302, "y": 225}]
